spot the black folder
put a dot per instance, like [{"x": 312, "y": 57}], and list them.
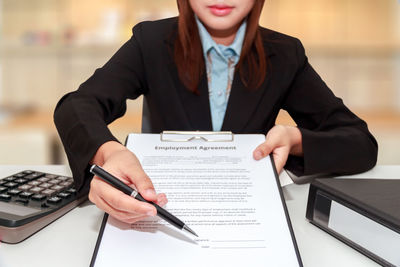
[{"x": 363, "y": 213}]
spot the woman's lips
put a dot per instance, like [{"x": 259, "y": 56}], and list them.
[{"x": 220, "y": 10}]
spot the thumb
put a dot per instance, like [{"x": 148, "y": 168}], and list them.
[
  {"x": 262, "y": 151},
  {"x": 280, "y": 156}
]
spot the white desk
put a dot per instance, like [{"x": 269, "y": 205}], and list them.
[{"x": 70, "y": 240}]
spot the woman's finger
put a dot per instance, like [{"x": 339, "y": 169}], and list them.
[
  {"x": 118, "y": 214},
  {"x": 118, "y": 200},
  {"x": 162, "y": 199}
]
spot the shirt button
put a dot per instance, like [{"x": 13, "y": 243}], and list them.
[{"x": 219, "y": 93}]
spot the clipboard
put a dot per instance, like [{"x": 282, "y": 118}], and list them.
[
  {"x": 188, "y": 136},
  {"x": 200, "y": 138}
]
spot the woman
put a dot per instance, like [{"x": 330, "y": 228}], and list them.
[{"x": 212, "y": 68}]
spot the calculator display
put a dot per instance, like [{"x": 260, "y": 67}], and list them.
[{"x": 17, "y": 209}]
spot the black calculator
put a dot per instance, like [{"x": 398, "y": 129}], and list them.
[{"x": 30, "y": 200}]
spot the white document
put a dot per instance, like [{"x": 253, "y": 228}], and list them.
[{"x": 230, "y": 200}]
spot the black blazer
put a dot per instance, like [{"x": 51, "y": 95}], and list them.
[{"x": 334, "y": 139}]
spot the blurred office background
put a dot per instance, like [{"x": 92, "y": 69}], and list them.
[{"x": 49, "y": 47}]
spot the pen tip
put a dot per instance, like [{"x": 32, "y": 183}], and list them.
[{"x": 186, "y": 228}]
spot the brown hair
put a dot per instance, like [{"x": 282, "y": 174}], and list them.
[{"x": 188, "y": 53}]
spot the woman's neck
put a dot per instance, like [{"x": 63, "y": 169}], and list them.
[{"x": 223, "y": 37}]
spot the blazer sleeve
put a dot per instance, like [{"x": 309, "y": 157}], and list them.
[
  {"x": 334, "y": 139},
  {"x": 81, "y": 117}
]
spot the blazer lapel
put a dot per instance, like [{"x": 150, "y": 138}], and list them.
[
  {"x": 197, "y": 107},
  {"x": 242, "y": 104}
]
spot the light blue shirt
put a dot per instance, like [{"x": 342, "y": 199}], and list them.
[{"x": 220, "y": 63}]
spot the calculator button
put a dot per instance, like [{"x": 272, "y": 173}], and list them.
[
  {"x": 10, "y": 184},
  {"x": 71, "y": 190},
  {"x": 23, "y": 201},
  {"x": 25, "y": 187},
  {"x": 67, "y": 183},
  {"x": 64, "y": 195},
  {"x": 5, "y": 197},
  {"x": 38, "y": 197},
  {"x": 54, "y": 200},
  {"x": 3, "y": 181},
  {"x": 54, "y": 181},
  {"x": 25, "y": 194},
  {"x": 58, "y": 188},
  {"x": 20, "y": 181},
  {"x": 14, "y": 192},
  {"x": 64, "y": 178},
  {"x": 48, "y": 192},
  {"x": 19, "y": 175},
  {"x": 3, "y": 189},
  {"x": 43, "y": 180},
  {"x": 30, "y": 177},
  {"x": 36, "y": 190},
  {"x": 34, "y": 183},
  {"x": 28, "y": 172},
  {"x": 34, "y": 175},
  {"x": 46, "y": 185},
  {"x": 10, "y": 179},
  {"x": 51, "y": 176}
]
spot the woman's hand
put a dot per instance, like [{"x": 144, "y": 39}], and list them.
[
  {"x": 122, "y": 163},
  {"x": 280, "y": 142}
]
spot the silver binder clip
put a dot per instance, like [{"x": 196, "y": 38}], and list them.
[{"x": 187, "y": 136}]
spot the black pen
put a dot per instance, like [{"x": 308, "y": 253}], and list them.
[{"x": 118, "y": 184}]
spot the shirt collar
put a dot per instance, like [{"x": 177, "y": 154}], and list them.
[{"x": 208, "y": 43}]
